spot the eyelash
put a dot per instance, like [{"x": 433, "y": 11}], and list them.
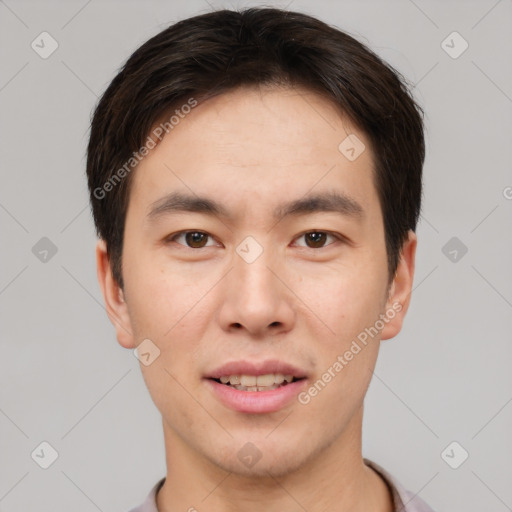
[{"x": 173, "y": 237}]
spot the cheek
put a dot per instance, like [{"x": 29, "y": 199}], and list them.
[
  {"x": 349, "y": 303},
  {"x": 345, "y": 299},
  {"x": 159, "y": 297},
  {"x": 171, "y": 393}
]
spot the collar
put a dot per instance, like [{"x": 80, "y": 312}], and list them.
[{"x": 403, "y": 500}]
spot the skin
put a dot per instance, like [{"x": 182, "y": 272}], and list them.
[{"x": 252, "y": 149}]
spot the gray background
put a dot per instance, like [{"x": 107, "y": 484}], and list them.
[{"x": 65, "y": 380}]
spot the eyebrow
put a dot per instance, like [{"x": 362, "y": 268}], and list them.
[{"x": 329, "y": 201}]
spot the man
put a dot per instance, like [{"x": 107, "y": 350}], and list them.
[{"x": 255, "y": 181}]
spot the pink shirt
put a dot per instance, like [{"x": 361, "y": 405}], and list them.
[{"x": 403, "y": 501}]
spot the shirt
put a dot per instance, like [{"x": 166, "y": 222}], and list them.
[{"x": 403, "y": 501}]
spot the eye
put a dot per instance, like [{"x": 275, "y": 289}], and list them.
[
  {"x": 198, "y": 239},
  {"x": 316, "y": 239},
  {"x": 193, "y": 239}
]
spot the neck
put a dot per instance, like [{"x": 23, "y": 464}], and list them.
[{"x": 334, "y": 479}]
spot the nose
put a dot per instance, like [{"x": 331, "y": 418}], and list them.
[{"x": 256, "y": 298}]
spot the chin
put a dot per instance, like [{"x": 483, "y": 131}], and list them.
[
  {"x": 277, "y": 465},
  {"x": 259, "y": 456}
]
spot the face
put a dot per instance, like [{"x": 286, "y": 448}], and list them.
[{"x": 279, "y": 272}]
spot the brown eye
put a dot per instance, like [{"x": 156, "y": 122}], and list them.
[
  {"x": 192, "y": 239},
  {"x": 317, "y": 239},
  {"x": 195, "y": 239}
]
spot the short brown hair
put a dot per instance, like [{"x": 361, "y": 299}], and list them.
[{"x": 213, "y": 53}]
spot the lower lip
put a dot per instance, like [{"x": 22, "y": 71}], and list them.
[{"x": 256, "y": 401}]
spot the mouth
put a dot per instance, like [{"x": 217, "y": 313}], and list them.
[
  {"x": 257, "y": 383},
  {"x": 256, "y": 386},
  {"x": 256, "y": 399}
]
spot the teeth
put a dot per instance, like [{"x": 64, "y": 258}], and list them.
[
  {"x": 257, "y": 388},
  {"x": 248, "y": 380},
  {"x": 265, "y": 380},
  {"x": 253, "y": 382}
]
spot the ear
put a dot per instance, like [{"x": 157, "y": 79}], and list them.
[
  {"x": 399, "y": 295},
  {"x": 113, "y": 296}
]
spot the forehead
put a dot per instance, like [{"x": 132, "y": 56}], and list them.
[{"x": 262, "y": 142}]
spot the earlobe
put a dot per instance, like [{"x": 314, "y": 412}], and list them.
[
  {"x": 400, "y": 290},
  {"x": 113, "y": 295}
]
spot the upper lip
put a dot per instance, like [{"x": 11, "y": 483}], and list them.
[{"x": 256, "y": 368}]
